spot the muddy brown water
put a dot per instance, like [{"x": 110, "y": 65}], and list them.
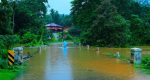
[{"x": 77, "y": 63}]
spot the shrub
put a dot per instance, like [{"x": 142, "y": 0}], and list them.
[
  {"x": 146, "y": 62},
  {"x": 6, "y": 42},
  {"x": 3, "y": 59},
  {"x": 29, "y": 39}
]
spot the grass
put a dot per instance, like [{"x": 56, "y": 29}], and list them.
[
  {"x": 8, "y": 74},
  {"x": 11, "y": 73},
  {"x": 146, "y": 62}
]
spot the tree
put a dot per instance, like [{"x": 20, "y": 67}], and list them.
[
  {"x": 32, "y": 18},
  {"x": 55, "y": 16},
  {"x": 66, "y": 20},
  {"x": 109, "y": 28},
  {"x": 83, "y": 13},
  {"x": 137, "y": 29},
  {"x": 105, "y": 21},
  {"x": 31, "y": 13},
  {"x": 146, "y": 31},
  {"x": 5, "y": 18},
  {"x": 61, "y": 19}
]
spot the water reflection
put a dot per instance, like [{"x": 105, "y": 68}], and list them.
[
  {"x": 87, "y": 65},
  {"x": 58, "y": 65},
  {"x": 65, "y": 52},
  {"x": 70, "y": 63}
]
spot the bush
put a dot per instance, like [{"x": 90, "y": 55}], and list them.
[
  {"x": 3, "y": 59},
  {"x": 74, "y": 31},
  {"x": 6, "y": 42},
  {"x": 146, "y": 62},
  {"x": 67, "y": 36},
  {"x": 29, "y": 39}
]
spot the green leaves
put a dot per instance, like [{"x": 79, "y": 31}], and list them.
[
  {"x": 29, "y": 39},
  {"x": 28, "y": 16},
  {"x": 7, "y": 41},
  {"x": 146, "y": 62},
  {"x": 5, "y": 18},
  {"x": 61, "y": 19},
  {"x": 111, "y": 27},
  {"x": 112, "y": 23}
]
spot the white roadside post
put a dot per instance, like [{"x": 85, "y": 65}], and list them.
[
  {"x": 18, "y": 55},
  {"x": 136, "y": 55},
  {"x": 88, "y": 47}
]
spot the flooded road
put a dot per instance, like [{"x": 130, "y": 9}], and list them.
[{"x": 78, "y": 63}]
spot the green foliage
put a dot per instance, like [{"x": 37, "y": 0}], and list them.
[
  {"x": 5, "y": 18},
  {"x": 137, "y": 29},
  {"x": 45, "y": 34},
  {"x": 112, "y": 23},
  {"x": 55, "y": 16},
  {"x": 31, "y": 17},
  {"x": 146, "y": 62},
  {"x": 9, "y": 74},
  {"x": 31, "y": 21},
  {"x": 67, "y": 36},
  {"x": 29, "y": 39},
  {"x": 146, "y": 32},
  {"x": 22, "y": 17},
  {"x": 61, "y": 19},
  {"x": 66, "y": 20},
  {"x": 7, "y": 41},
  {"x": 3, "y": 59},
  {"x": 113, "y": 27},
  {"x": 74, "y": 31}
]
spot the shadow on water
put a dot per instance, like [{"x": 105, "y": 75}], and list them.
[{"x": 77, "y": 63}]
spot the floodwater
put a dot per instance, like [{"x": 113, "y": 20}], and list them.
[{"x": 78, "y": 63}]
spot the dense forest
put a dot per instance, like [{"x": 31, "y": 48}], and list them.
[
  {"x": 20, "y": 16},
  {"x": 112, "y": 23},
  {"x": 105, "y": 23},
  {"x": 22, "y": 21}
]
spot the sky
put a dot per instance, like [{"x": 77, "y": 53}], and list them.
[{"x": 62, "y": 6}]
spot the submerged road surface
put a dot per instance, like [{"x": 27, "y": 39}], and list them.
[{"x": 79, "y": 63}]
